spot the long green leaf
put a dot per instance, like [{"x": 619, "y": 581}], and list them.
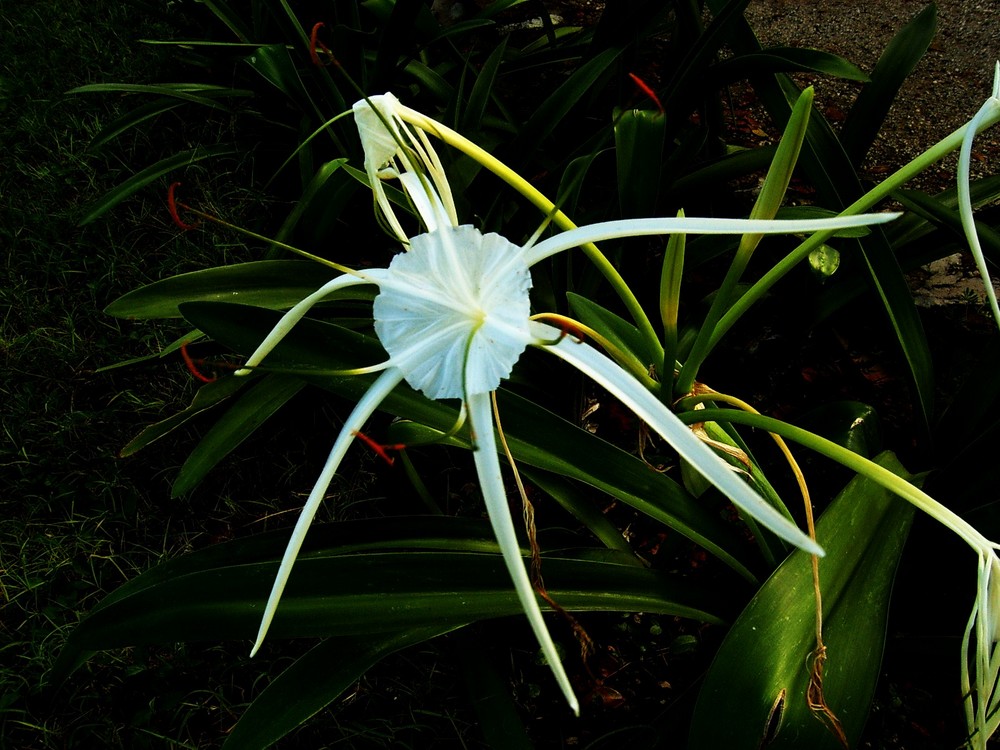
[
  {"x": 313, "y": 682},
  {"x": 482, "y": 89},
  {"x": 242, "y": 419},
  {"x": 787, "y": 60},
  {"x": 639, "y": 141},
  {"x": 898, "y": 60},
  {"x": 553, "y": 110},
  {"x": 275, "y": 284},
  {"x": 218, "y": 594},
  {"x": 755, "y": 693},
  {"x": 131, "y": 119},
  {"x": 152, "y": 173},
  {"x": 198, "y": 93}
]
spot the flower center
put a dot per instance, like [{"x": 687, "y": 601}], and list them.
[{"x": 453, "y": 311}]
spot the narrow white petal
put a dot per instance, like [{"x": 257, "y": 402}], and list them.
[
  {"x": 491, "y": 482},
  {"x": 651, "y": 410},
  {"x": 610, "y": 230},
  {"x": 294, "y": 315},
  {"x": 381, "y": 388}
]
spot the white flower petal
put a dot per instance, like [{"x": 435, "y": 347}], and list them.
[
  {"x": 448, "y": 320},
  {"x": 491, "y": 482},
  {"x": 381, "y": 388},
  {"x": 652, "y": 411},
  {"x": 609, "y": 230}
]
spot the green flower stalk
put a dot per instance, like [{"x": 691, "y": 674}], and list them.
[{"x": 453, "y": 314}]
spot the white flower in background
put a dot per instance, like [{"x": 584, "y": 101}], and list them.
[{"x": 452, "y": 313}]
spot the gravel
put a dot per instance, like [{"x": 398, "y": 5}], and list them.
[{"x": 947, "y": 87}]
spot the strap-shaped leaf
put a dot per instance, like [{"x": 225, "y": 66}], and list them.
[
  {"x": 240, "y": 421},
  {"x": 898, "y": 60},
  {"x": 364, "y": 578},
  {"x": 314, "y": 681},
  {"x": 276, "y": 284},
  {"x": 639, "y": 140},
  {"x": 787, "y": 60},
  {"x": 755, "y": 693}
]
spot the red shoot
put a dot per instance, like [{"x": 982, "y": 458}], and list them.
[
  {"x": 172, "y": 206},
  {"x": 316, "y": 44},
  {"x": 192, "y": 366},
  {"x": 647, "y": 90},
  {"x": 381, "y": 450}
]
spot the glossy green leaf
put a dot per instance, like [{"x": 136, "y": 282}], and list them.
[
  {"x": 852, "y": 424},
  {"x": 152, "y": 173},
  {"x": 197, "y": 93},
  {"x": 313, "y": 682},
  {"x": 364, "y": 578},
  {"x": 671, "y": 277},
  {"x": 240, "y": 421},
  {"x": 275, "y": 284},
  {"x": 482, "y": 89},
  {"x": 315, "y": 188},
  {"x": 536, "y": 437},
  {"x": 582, "y": 508},
  {"x": 912, "y": 227},
  {"x": 274, "y": 63},
  {"x": 617, "y": 330},
  {"x": 764, "y": 660},
  {"x": 940, "y": 214},
  {"x": 898, "y": 60},
  {"x": 639, "y": 140},
  {"x": 787, "y": 60}
]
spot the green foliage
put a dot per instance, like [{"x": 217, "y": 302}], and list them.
[
  {"x": 552, "y": 103},
  {"x": 756, "y": 691}
]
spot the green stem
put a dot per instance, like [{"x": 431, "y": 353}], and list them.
[
  {"x": 863, "y": 204},
  {"x": 845, "y": 457},
  {"x": 561, "y": 220}
]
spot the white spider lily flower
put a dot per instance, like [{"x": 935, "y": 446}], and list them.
[
  {"x": 987, "y": 114},
  {"x": 452, "y": 313}
]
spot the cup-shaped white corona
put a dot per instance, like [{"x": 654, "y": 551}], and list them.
[{"x": 450, "y": 322}]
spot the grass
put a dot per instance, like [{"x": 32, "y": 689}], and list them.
[{"x": 76, "y": 521}]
